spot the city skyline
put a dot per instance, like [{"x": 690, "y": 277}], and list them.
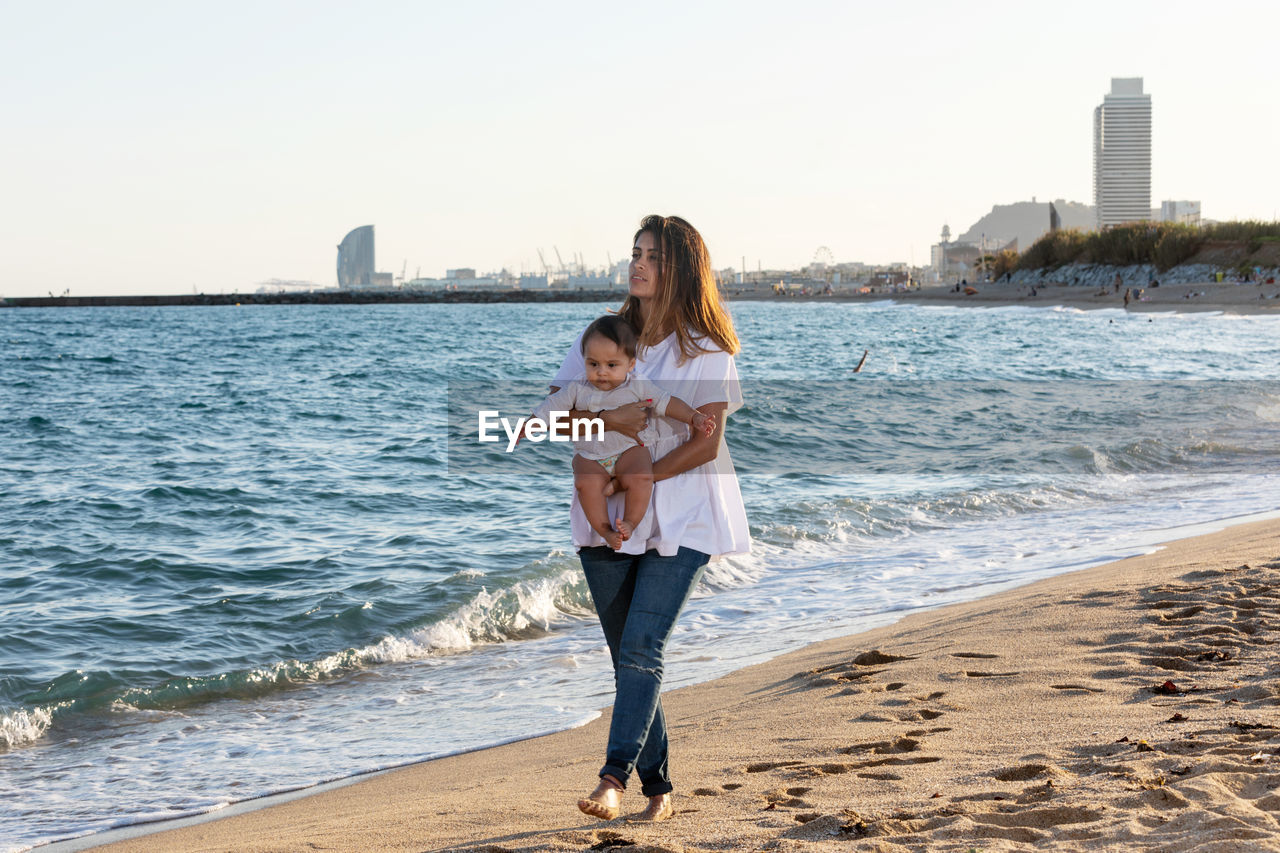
[{"x": 151, "y": 149}]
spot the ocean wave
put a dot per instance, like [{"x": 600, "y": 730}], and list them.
[
  {"x": 795, "y": 532},
  {"x": 527, "y": 609},
  {"x": 552, "y": 595}
]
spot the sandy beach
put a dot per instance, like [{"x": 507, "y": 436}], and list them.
[
  {"x": 1206, "y": 296},
  {"x": 1229, "y": 298},
  {"x": 1129, "y": 706}
]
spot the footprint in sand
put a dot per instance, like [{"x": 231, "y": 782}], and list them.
[
  {"x": 788, "y": 797},
  {"x": 882, "y": 762},
  {"x": 871, "y": 658},
  {"x": 766, "y": 766},
  {"x": 598, "y": 839},
  {"x": 1182, "y": 614},
  {"x": 879, "y": 658},
  {"x": 1038, "y": 818},
  {"x": 884, "y": 747},
  {"x": 1021, "y": 773},
  {"x": 924, "y": 714},
  {"x": 932, "y": 697},
  {"x": 973, "y": 673},
  {"x": 815, "y": 826},
  {"x": 853, "y": 675}
]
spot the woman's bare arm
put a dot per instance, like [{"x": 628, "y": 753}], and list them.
[
  {"x": 628, "y": 419},
  {"x": 698, "y": 450}
]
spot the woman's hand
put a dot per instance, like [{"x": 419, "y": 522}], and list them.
[{"x": 628, "y": 419}]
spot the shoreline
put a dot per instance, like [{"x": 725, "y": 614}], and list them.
[
  {"x": 1227, "y": 297},
  {"x": 789, "y": 722}
]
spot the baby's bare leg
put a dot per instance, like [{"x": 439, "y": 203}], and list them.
[
  {"x": 635, "y": 474},
  {"x": 590, "y": 478}
]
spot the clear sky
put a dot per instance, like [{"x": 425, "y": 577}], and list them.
[{"x": 161, "y": 147}]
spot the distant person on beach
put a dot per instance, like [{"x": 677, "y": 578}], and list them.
[
  {"x": 686, "y": 343},
  {"x": 609, "y": 356}
]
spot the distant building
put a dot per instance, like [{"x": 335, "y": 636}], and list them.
[
  {"x": 1182, "y": 212},
  {"x": 1024, "y": 222},
  {"x": 461, "y": 274},
  {"x": 1122, "y": 154},
  {"x": 889, "y": 278},
  {"x": 355, "y": 258},
  {"x": 421, "y": 283},
  {"x": 938, "y": 257},
  {"x": 955, "y": 260}
]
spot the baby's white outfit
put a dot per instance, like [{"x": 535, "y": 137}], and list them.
[{"x": 582, "y": 395}]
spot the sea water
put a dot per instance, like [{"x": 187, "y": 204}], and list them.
[{"x": 250, "y": 549}]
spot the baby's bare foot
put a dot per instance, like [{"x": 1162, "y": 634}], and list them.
[
  {"x": 603, "y": 801},
  {"x": 611, "y": 487},
  {"x": 659, "y": 808},
  {"x": 612, "y": 538},
  {"x": 624, "y": 530}
]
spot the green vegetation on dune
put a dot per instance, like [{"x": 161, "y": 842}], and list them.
[{"x": 1161, "y": 244}]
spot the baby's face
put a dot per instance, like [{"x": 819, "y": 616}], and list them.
[{"x": 607, "y": 363}]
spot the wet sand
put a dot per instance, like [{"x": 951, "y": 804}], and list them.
[{"x": 1130, "y": 706}]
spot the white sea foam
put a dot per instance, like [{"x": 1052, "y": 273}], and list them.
[
  {"x": 24, "y": 726},
  {"x": 529, "y": 608}
]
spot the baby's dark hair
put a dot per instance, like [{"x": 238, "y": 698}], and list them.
[{"x": 614, "y": 328}]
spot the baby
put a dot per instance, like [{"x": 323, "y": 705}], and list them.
[{"x": 609, "y": 355}]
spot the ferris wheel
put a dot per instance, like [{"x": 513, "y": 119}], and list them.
[{"x": 823, "y": 257}]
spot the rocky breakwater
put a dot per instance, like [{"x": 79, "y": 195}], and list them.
[
  {"x": 1133, "y": 275},
  {"x": 320, "y": 297},
  {"x": 1212, "y": 261}
]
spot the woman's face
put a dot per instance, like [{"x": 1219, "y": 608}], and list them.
[{"x": 646, "y": 266}]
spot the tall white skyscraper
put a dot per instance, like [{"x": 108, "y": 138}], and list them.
[{"x": 1122, "y": 154}]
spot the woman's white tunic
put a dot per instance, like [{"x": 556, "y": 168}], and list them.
[{"x": 702, "y": 508}]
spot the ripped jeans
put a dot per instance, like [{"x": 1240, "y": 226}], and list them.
[{"x": 638, "y": 599}]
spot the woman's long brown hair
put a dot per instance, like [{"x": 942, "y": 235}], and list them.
[{"x": 687, "y": 301}]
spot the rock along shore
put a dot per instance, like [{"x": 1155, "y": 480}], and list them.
[{"x": 326, "y": 297}]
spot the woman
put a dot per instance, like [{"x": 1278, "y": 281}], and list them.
[{"x": 687, "y": 345}]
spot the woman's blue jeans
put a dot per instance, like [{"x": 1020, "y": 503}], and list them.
[{"x": 638, "y": 599}]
